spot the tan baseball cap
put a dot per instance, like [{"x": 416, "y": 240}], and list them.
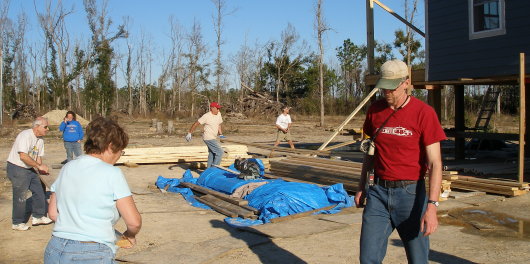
[{"x": 393, "y": 72}]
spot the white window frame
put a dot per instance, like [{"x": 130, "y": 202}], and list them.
[{"x": 486, "y": 33}]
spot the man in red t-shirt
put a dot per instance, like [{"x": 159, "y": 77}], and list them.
[{"x": 407, "y": 136}]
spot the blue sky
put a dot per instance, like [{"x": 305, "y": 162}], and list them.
[{"x": 252, "y": 21}]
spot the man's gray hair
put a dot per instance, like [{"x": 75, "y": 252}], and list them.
[{"x": 38, "y": 121}]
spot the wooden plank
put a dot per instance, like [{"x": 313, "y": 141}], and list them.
[
  {"x": 297, "y": 168},
  {"x": 216, "y": 208},
  {"x": 343, "y": 163},
  {"x": 483, "y": 185},
  {"x": 204, "y": 190},
  {"x": 347, "y": 120},
  {"x": 490, "y": 181},
  {"x": 319, "y": 165},
  {"x": 282, "y": 149},
  {"x": 522, "y": 116},
  {"x": 298, "y": 215},
  {"x": 241, "y": 212},
  {"x": 340, "y": 145}
]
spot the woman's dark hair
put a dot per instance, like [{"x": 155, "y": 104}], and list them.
[
  {"x": 103, "y": 132},
  {"x": 71, "y": 113}
]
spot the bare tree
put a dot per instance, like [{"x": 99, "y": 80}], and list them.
[
  {"x": 99, "y": 24},
  {"x": 141, "y": 59},
  {"x": 177, "y": 72},
  {"x": 4, "y": 8},
  {"x": 198, "y": 68},
  {"x": 284, "y": 56},
  {"x": 52, "y": 22},
  {"x": 321, "y": 28},
  {"x": 221, "y": 12}
]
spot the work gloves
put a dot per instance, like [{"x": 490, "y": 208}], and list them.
[{"x": 188, "y": 137}]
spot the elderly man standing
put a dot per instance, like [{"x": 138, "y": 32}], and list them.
[
  {"x": 212, "y": 127},
  {"x": 23, "y": 164},
  {"x": 407, "y": 136}
]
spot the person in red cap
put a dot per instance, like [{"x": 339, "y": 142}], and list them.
[{"x": 212, "y": 127}]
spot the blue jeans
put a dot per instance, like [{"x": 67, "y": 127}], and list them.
[
  {"x": 215, "y": 152},
  {"x": 72, "y": 149},
  {"x": 398, "y": 208},
  {"x": 22, "y": 180},
  {"x": 61, "y": 250}
]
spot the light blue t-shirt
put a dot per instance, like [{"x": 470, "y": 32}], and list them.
[{"x": 86, "y": 190}]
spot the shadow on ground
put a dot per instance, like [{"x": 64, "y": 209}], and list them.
[
  {"x": 264, "y": 249},
  {"x": 437, "y": 256}
]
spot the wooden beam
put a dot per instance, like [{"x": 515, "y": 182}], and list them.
[
  {"x": 370, "y": 39},
  {"x": 282, "y": 149},
  {"x": 215, "y": 207},
  {"x": 460, "y": 123},
  {"x": 522, "y": 115},
  {"x": 204, "y": 190},
  {"x": 386, "y": 8},
  {"x": 340, "y": 145},
  {"x": 357, "y": 109}
]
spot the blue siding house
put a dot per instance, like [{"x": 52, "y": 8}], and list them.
[{"x": 476, "y": 38}]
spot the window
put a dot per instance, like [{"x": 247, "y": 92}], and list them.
[{"x": 486, "y": 18}]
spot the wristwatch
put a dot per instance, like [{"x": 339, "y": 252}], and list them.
[{"x": 436, "y": 203}]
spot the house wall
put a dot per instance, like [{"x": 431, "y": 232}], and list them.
[{"x": 453, "y": 55}]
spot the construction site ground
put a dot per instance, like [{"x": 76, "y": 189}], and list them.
[{"x": 474, "y": 229}]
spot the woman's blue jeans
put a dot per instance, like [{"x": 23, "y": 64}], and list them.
[
  {"x": 61, "y": 250},
  {"x": 215, "y": 152},
  {"x": 72, "y": 149},
  {"x": 398, "y": 208}
]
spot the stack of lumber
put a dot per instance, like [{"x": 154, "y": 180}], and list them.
[
  {"x": 445, "y": 187},
  {"x": 503, "y": 187},
  {"x": 184, "y": 154},
  {"x": 223, "y": 203},
  {"x": 319, "y": 170}
]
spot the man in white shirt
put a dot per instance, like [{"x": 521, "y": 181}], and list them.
[
  {"x": 283, "y": 124},
  {"x": 23, "y": 163},
  {"x": 212, "y": 127}
]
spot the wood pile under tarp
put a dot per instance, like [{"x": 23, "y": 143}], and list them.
[{"x": 183, "y": 154}]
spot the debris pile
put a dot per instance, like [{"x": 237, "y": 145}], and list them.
[
  {"x": 23, "y": 111},
  {"x": 255, "y": 104}
]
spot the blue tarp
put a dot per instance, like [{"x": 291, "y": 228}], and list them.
[
  {"x": 223, "y": 181},
  {"x": 275, "y": 199},
  {"x": 161, "y": 183}
]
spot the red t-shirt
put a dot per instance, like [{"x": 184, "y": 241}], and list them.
[{"x": 400, "y": 146}]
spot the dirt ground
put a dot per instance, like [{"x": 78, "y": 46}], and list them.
[{"x": 480, "y": 229}]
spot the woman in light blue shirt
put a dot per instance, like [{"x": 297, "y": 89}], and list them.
[{"x": 88, "y": 198}]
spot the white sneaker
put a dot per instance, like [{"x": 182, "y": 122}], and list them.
[
  {"x": 41, "y": 221},
  {"x": 20, "y": 227}
]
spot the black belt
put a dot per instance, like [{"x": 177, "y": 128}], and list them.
[{"x": 394, "y": 184}]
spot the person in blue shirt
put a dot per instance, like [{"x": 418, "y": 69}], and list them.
[{"x": 72, "y": 136}]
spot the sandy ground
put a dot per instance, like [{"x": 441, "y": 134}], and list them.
[{"x": 175, "y": 232}]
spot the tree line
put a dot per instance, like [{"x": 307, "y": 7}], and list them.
[{"x": 60, "y": 72}]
